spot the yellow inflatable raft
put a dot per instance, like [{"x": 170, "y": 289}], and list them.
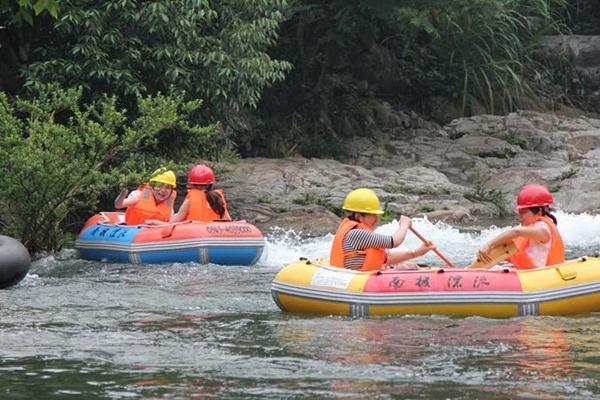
[{"x": 316, "y": 288}]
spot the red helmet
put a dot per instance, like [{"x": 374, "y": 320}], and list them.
[
  {"x": 534, "y": 196},
  {"x": 201, "y": 174}
]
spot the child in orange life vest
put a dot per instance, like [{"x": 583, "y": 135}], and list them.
[
  {"x": 151, "y": 202},
  {"x": 356, "y": 245},
  {"x": 202, "y": 203},
  {"x": 537, "y": 239}
]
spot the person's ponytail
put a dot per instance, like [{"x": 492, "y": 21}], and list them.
[
  {"x": 546, "y": 212},
  {"x": 215, "y": 201}
]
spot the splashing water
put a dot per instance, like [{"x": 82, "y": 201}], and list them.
[{"x": 581, "y": 235}]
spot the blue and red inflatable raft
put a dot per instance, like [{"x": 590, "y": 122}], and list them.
[{"x": 105, "y": 237}]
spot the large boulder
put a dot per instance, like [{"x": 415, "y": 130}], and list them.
[{"x": 471, "y": 168}]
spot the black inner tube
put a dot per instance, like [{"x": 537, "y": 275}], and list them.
[{"x": 14, "y": 261}]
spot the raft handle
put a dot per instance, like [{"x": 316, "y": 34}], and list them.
[
  {"x": 567, "y": 272},
  {"x": 307, "y": 261},
  {"x": 167, "y": 232}
]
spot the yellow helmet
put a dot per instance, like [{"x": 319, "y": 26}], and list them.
[
  {"x": 162, "y": 175},
  {"x": 364, "y": 201}
]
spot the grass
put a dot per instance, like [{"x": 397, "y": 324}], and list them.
[
  {"x": 308, "y": 199},
  {"x": 264, "y": 199},
  {"x": 556, "y": 186},
  {"x": 388, "y": 214},
  {"x": 415, "y": 190},
  {"x": 515, "y": 138},
  {"x": 483, "y": 194},
  {"x": 567, "y": 174}
]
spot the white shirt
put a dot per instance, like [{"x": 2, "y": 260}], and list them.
[
  {"x": 135, "y": 195},
  {"x": 538, "y": 252}
]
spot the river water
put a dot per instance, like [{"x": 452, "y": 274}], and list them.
[{"x": 86, "y": 330}]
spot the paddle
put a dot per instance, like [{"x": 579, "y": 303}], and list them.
[
  {"x": 497, "y": 254},
  {"x": 435, "y": 250}
]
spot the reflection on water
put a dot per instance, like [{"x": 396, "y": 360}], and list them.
[
  {"x": 78, "y": 329},
  {"x": 472, "y": 357}
]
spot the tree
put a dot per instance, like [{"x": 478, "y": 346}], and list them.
[
  {"x": 348, "y": 56},
  {"x": 16, "y": 28},
  {"x": 216, "y": 51},
  {"x": 59, "y": 157},
  {"x": 25, "y": 10}
]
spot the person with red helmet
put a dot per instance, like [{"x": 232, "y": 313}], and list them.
[
  {"x": 202, "y": 203},
  {"x": 537, "y": 240}
]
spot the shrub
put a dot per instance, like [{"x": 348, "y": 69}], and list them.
[
  {"x": 482, "y": 194},
  {"x": 59, "y": 157}
]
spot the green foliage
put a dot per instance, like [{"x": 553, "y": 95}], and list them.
[
  {"x": 477, "y": 53},
  {"x": 427, "y": 191},
  {"x": 212, "y": 50},
  {"x": 481, "y": 193},
  {"x": 264, "y": 198},
  {"x": 515, "y": 138},
  {"x": 59, "y": 157},
  {"x": 570, "y": 173},
  {"x": 387, "y": 216},
  {"x": 26, "y": 10},
  {"x": 308, "y": 199},
  {"x": 481, "y": 49},
  {"x": 486, "y": 46},
  {"x": 336, "y": 209},
  {"x": 321, "y": 147},
  {"x": 557, "y": 184}
]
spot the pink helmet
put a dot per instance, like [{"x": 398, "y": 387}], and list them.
[
  {"x": 201, "y": 174},
  {"x": 534, "y": 196}
]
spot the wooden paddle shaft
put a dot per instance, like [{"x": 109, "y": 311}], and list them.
[{"x": 436, "y": 251}]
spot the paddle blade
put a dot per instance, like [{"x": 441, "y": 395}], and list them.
[{"x": 497, "y": 254}]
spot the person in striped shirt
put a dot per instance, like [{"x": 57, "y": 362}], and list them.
[{"x": 356, "y": 246}]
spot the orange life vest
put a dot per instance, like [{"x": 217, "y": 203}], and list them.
[
  {"x": 556, "y": 254},
  {"x": 200, "y": 209},
  {"x": 374, "y": 258},
  {"x": 147, "y": 208}
]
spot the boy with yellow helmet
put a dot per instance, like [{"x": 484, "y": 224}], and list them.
[
  {"x": 356, "y": 245},
  {"x": 150, "y": 202}
]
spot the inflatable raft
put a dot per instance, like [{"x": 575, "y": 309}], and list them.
[
  {"x": 564, "y": 289},
  {"x": 105, "y": 238}
]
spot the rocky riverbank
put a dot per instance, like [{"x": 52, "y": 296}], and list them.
[{"x": 466, "y": 170}]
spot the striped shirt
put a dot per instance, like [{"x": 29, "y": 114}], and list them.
[{"x": 361, "y": 239}]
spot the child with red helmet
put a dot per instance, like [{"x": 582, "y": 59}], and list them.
[
  {"x": 537, "y": 239},
  {"x": 202, "y": 202}
]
